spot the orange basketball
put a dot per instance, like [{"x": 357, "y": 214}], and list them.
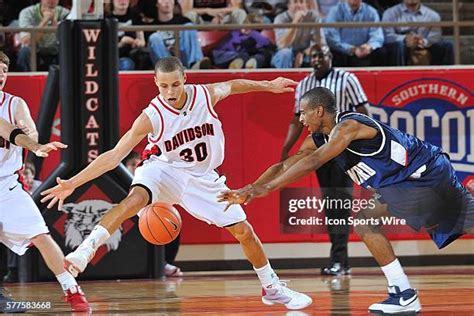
[{"x": 160, "y": 223}]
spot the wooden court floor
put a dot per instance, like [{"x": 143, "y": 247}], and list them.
[{"x": 447, "y": 290}]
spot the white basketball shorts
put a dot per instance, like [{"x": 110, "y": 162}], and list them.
[
  {"x": 197, "y": 195},
  {"x": 20, "y": 218}
]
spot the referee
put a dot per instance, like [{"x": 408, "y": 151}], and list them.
[{"x": 334, "y": 183}]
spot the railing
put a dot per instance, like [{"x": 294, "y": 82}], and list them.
[{"x": 455, "y": 24}]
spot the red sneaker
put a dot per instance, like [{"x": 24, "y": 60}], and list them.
[{"x": 77, "y": 299}]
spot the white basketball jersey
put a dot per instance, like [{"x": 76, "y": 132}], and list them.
[
  {"x": 190, "y": 138},
  {"x": 11, "y": 156}
]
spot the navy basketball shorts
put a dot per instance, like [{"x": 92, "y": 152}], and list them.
[{"x": 436, "y": 201}]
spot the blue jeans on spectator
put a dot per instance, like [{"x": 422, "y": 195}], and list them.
[
  {"x": 283, "y": 58},
  {"x": 126, "y": 63},
  {"x": 222, "y": 58},
  {"x": 442, "y": 53},
  {"x": 190, "y": 48},
  {"x": 43, "y": 61}
]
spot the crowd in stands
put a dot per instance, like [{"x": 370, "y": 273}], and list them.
[{"x": 244, "y": 48}]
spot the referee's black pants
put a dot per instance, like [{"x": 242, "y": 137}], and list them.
[{"x": 336, "y": 186}]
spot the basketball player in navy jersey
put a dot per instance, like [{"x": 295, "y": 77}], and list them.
[
  {"x": 185, "y": 146},
  {"x": 414, "y": 179}
]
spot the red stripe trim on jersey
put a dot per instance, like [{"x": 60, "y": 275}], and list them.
[
  {"x": 21, "y": 178},
  {"x": 162, "y": 124},
  {"x": 194, "y": 98},
  {"x": 209, "y": 106},
  {"x": 169, "y": 108},
  {"x": 3, "y": 98},
  {"x": 10, "y": 110}
]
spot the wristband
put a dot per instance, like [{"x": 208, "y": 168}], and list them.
[{"x": 14, "y": 134}]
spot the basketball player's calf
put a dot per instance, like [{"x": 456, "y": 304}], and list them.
[
  {"x": 53, "y": 257},
  {"x": 402, "y": 298},
  {"x": 77, "y": 261},
  {"x": 273, "y": 290}
]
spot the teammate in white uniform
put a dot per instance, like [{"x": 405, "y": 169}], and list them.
[
  {"x": 186, "y": 144},
  {"x": 21, "y": 223}
]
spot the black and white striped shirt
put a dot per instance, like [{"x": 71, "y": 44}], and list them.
[{"x": 345, "y": 86}]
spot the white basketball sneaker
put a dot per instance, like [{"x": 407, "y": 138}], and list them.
[
  {"x": 279, "y": 293},
  {"x": 76, "y": 262}
]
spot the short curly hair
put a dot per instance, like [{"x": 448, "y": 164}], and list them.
[{"x": 4, "y": 59}]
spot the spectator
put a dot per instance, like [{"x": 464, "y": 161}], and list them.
[
  {"x": 382, "y": 5},
  {"x": 148, "y": 12},
  {"x": 244, "y": 47},
  {"x": 131, "y": 44},
  {"x": 326, "y": 5},
  {"x": 214, "y": 11},
  {"x": 409, "y": 44},
  {"x": 171, "y": 250},
  {"x": 294, "y": 44},
  {"x": 45, "y": 13},
  {"x": 355, "y": 46},
  {"x": 161, "y": 43},
  {"x": 29, "y": 174}
]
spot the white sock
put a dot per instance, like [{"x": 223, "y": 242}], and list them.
[
  {"x": 396, "y": 276},
  {"x": 96, "y": 239},
  {"x": 266, "y": 275},
  {"x": 66, "y": 280}
]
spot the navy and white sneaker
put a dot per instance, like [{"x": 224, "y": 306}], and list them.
[{"x": 398, "y": 302}]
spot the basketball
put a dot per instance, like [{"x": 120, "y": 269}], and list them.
[{"x": 159, "y": 223}]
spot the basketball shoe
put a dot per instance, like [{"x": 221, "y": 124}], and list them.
[
  {"x": 279, "y": 293},
  {"x": 7, "y": 305},
  {"x": 76, "y": 262},
  {"x": 76, "y": 298},
  {"x": 336, "y": 269},
  {"x": 398, "y": 302}
]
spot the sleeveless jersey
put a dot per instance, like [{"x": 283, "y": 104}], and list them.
[
  {"x": 390, "y": 158},
  {"x": 11, "y": 156},
  {"x": 190, "y": 138}
]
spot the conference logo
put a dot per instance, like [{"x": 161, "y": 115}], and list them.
[{"x": 436, "y": 110}]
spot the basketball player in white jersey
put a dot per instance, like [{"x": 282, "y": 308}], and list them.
[
  {"x": 21, "y": 223},
  {"x": 186, "y": 144}
]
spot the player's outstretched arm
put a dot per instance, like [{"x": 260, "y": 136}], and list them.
[
  {"x": 342, "y": 135},
  {"x": 103, "y": 163},
  {"x": 307, "y": 148},
  {"x": 222, "y": 90},
  {"x": 17, "y": 137}
]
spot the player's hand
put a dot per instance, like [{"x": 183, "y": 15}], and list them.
[
  {"x": 242, "y": 196},
  {"x": 282, "y": 85},
  {"x": 58, "y": 193},
  {"x": 43, "y": 150}
]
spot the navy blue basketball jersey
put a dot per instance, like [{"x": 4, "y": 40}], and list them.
[{"x": 390, "y": 158}]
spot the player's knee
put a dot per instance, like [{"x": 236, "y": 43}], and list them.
[
  {"x": 135, "y": 201},
  {"x": 362, "y": 228},
  {"x": 40, "y": 240},
  {"x": 243, "y": 232}
]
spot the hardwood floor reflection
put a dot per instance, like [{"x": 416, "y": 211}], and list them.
[{"x": 443, "y": 291}]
